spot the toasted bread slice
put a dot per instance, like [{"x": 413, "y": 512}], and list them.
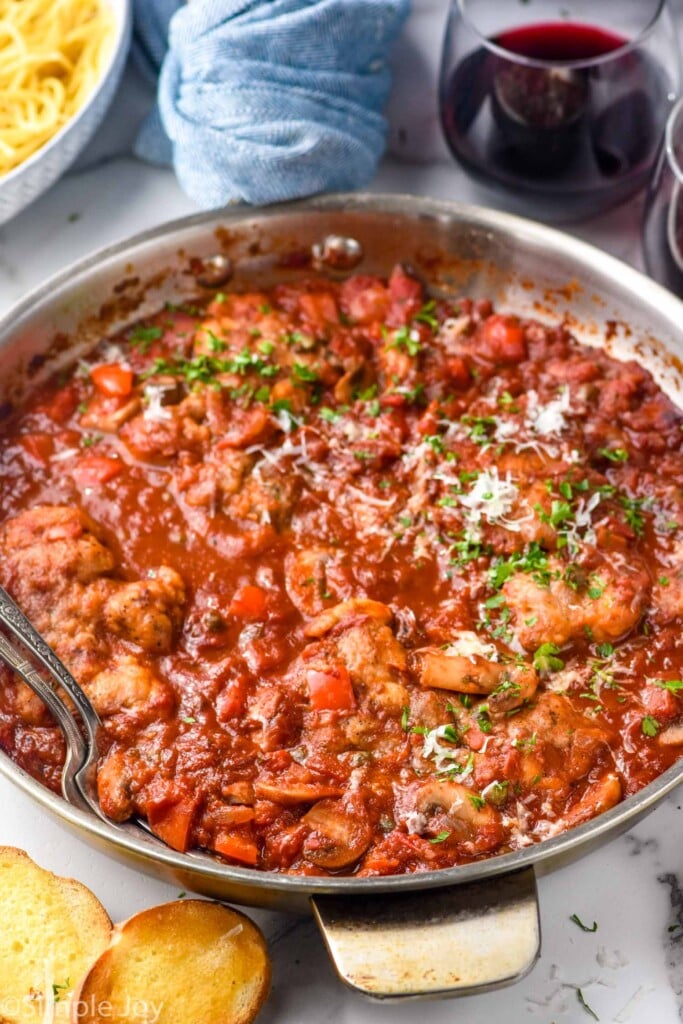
[
  {"x": 51, "y": 931},
  {"x": 187, "y": 962}
]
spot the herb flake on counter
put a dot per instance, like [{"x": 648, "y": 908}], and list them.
[
  {"x": 584, "y": 927},
  {"x": 589, "y": 1009}
]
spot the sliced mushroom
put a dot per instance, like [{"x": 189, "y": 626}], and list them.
[
  {"x": 355, "y": 608},
  {"x": 340, "y": 834}
]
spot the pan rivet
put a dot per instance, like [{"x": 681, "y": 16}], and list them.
[
  {"x": 338, "y": 252},
  {"x": 215, "y": 271}
]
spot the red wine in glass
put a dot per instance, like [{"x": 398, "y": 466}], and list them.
[{"x": 558, "y": 118}]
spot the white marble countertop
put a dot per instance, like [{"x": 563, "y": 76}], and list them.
[{"x": 631, "y": 968}]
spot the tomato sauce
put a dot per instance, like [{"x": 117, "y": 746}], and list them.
[{"x": 359, "y": 581}]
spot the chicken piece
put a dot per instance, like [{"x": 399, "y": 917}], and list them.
[
  {"x": 607, "y": 607},
  {"x": 172, "y": 430},
  {"x": 667, "y": 598},
  {"x": 671, "y": 735},
  {"x": 130, "y": 688},
  {"x": 107, "y": 415},
  {"x": 602, "y": 794},
  {"x": 355, "y": 633},
  {"x": 266, "y": 497},
  {"x": 115, "y": 780},
  {"x": 207, "y": 484},
  {"x": 48, "y": 546},
  {"x": 148, "y": 612},
  {"x": 562, "y": 736}
]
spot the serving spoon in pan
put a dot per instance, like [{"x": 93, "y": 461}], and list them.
[
  {"x": 82, "y": 751},
  {"x": 82, "y": 746}
]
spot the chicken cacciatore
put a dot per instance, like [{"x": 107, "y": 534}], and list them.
[{"x": 359, "y": 581}]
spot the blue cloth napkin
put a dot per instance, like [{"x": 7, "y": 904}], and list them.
[{"x": 267, "y": 100}]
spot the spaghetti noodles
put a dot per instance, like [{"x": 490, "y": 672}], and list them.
[{"x": 52, "y": 54}]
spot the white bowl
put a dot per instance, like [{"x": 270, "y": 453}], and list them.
[{"x": 22, "y": 185}]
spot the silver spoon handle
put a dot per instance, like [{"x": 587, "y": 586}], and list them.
[
  {"x": 76, "y": 751},
  {"x": 12, "y": 617}
]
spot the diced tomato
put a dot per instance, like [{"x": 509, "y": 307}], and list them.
[
  {"x": 236, "y": 847},
  {"x": 660, "y": 702},
  {"x": 113, "y": 379},
  {"x": 93, "y": 470},
  {"x": 62, "y": 405},
  {"x": 38, "y": 446},
  {"x": 406, "y": 297},
  {"x": 330, "y": 690},
  {"x": 391, "y": 401},
  {"x": 249, "y": 602},
  {"x": 364, "y": 299},
  {"x": 320, "y": 308},
  {"x": 231, "y": 700},
  {"x": 458, "y": 371},
  {"x": 428, "y": 422},
  {"x": 475, "y": 738},
  {"x": 502, "y": 340},
  {"x": 172, "y": 822}
]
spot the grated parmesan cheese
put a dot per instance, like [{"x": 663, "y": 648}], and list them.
[
  {"x": 549, "y": 418},
  {"x": 490, "y": 498}
]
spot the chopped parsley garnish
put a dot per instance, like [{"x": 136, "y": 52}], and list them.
[
  {"x": 482, "y": 718},
  {"x": 497, "y": 792},
  {"x": 441, "y": 838},
  {"x": 672, "y": 685},
  {"x": 546, "y": 660},
  {"x": 406, "y": 339},
  {"x": 614, "y": 454},
  {"x": 560, "y": 513},
  {"x": 533, "y": 561},
  {"x": 216, "y": 345},
  {"x": 329, "y": 415},
  {"x": 477, "y": 801},
  {"x": 405, "y": 718},
  {"x": 650, "y": 726},
  {"x": 426, "y": 315},
  {"x": 205, "y": 368},
  {"x": 304, "y": 373},
  {"x": 633, "y": 513},
  {"x": 481, "y": 428},
  {"x": 526, "y": 744},
  {"x": 584, "y": 927},
  {"x": 142, "y": 337}
]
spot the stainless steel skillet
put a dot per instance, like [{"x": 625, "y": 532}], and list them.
[{"x": 432, "y": 933}]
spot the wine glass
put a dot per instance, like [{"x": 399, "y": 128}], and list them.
[
  {"x": 558, "y": 106},
  {"x": 663, "y": 221}
]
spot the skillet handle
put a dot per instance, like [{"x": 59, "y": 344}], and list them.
[{"x": 451, "y": 941}]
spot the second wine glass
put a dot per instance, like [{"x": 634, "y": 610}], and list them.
[{"x": 558, "y": 106}]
